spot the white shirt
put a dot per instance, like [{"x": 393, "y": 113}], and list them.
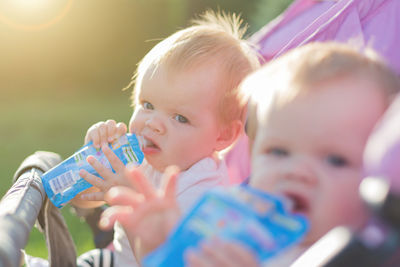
[{"x": 191, "y": 185}]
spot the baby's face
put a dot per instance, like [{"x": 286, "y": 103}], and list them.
[
  {"x": 176, "y": 115},
  {"x": 311, "y": 152}
]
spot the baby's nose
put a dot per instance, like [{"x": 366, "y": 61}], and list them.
[
  {"x": 301, "y": 171},
  {"x": 155, "y": 124}
]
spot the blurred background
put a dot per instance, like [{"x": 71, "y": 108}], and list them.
[{"x": 63, "y": 65}]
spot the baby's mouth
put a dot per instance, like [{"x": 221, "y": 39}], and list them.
[
  {"x": 297, "y": 204},
  {"x": 147, "y": 143}
]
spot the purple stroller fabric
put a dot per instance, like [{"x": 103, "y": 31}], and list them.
[
  {"x": 371, "y": 23},
  {"x": 382, "y": 153}
]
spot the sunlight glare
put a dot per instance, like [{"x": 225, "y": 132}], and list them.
[
  {"x": 30, "y": 5},
  {"x": 33, "y": 14}
]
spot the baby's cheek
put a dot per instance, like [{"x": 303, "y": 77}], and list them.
[
  {"x": 134, "y": 124},
  {"x": 131, "y": 127},
  {"x": 260, "y": 181}
]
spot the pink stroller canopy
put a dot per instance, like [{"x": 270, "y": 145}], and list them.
[{"x": 372, "y": 23}]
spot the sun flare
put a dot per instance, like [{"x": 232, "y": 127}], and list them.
[{"x": 33, "y": 15}]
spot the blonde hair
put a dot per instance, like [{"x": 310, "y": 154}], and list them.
[
  {"x": 300, "y": 70},
  {"x": 213, "y": 38}
]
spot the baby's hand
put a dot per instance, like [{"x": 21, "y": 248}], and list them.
[
  {"x": 147, "y": 215},
  {"x": 102, "y": 132},
  {"x": 217, "y": 253},
  {"x": 109, "y": 180}
]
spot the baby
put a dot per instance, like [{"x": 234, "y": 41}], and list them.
[
  {"x": 186, "y": 110},
  {"x": 311, "y": 112}
]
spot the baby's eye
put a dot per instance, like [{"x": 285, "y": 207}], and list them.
[
  {"x": 181, "y": 119},
  {"x": 337, "y": 161},
  {"x": 147, "y": 105},
  {"x": 278, "y": 152}
]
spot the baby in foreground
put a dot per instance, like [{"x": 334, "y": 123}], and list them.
[{"x": 310, "y": 114}]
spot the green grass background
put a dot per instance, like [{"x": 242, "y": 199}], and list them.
[{"x": 53, "y": 121}]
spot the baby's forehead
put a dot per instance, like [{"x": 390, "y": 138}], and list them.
[
  {"x": 203, "y": 81},
  {"x": 215, "y": 75},
  {"x": 338, "y": 101},
  {"x": 286, "y": 92}
]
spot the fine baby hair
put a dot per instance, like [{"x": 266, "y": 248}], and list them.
[{"x": 214, "y": 38}]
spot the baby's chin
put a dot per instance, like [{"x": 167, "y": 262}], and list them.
[
  {"x": 162, "y": 166},
  {"x": 314, "y": 235},
  {"x": 156, "y": 164},
  {"x": 309, "y": 240}
]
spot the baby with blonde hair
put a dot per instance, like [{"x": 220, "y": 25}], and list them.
[{"x": 186, "y": 111}]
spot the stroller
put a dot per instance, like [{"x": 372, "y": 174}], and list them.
[{"x": 26, "y": 203}]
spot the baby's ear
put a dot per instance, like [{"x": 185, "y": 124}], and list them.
[{"x": 228, "y": 134}]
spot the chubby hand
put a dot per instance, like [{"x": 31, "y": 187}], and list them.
[
  {"x": 147, "y": 215},
  {"x": 218, "y": 253},
  {"x": 110, "y": 179},
  {"x": 102, "y": 132}
]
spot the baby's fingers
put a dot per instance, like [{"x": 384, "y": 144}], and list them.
[
  {"x": 193, "y": 259},
  {"x": 123, "y": 196},
  {"x": 93, "y": 180},
  {"x": 241, "y": 254},
  {"x": 123, "y": 214},
  {"x": 93, "y": 135},
  {"x": 170, "y": 176},
  {"x": 211, "y": 253},
  {"x": 102, "y": 170},
  {"x": 111, "y": 128},
  {"x": 104, "y": 129},
  {"x": 115, "y": 162},
  {"x": 98, "y": 133},
  {"x": 121, "y": 130},
  {"x": 223, "y": 253},
  {"x": 140, "y": 183},
  {"x": 94, "y": 196}
]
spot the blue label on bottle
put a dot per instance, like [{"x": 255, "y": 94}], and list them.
[{"x": 62, "y": 183}]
